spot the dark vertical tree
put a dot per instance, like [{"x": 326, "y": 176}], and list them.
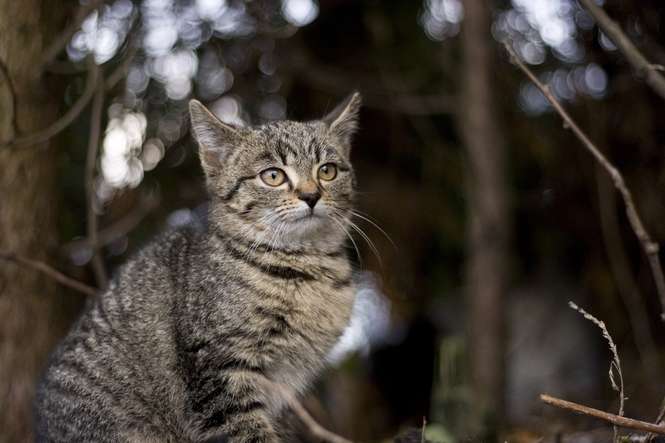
[
  {"x": 27, "y": 212},
  {"x": 487, "y": 211}
]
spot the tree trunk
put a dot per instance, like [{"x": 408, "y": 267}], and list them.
[
  {"x": 27, "y": 211},
  {"x": 488, "y": 223}
]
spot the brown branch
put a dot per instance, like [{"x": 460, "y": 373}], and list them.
[
  {"x": 650, "y": 71},
  {"x": 93, "y": 78},
  {"x": 117, "y": 229},
  {"x": 50, "y": 272},
  {"x": 121, "y": 71},
  {"x": 64, "y": 121},
  {"x": 659, "y": 420},
  {"x": 648, "y": 245},
  {"x": 132, "y": 47},
  {"x": 337, "y": 81},
  {"x": 60, "y": 42},
  {"x": 90, "y": 164},
  {"x": 629, "y": 292},
  {"x": 617, "y": 420},
  {"x": 11, "y": 92},
  {"x": 294, "y": 404}
]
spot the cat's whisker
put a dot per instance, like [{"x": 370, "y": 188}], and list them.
[
  {"x": 348, "y": 234},
  {"x": 369, "y": 241},
  {"x": 370, "y": 221},
  {"x": 272, "y": 243},
  {"x": 267, "y": 219},
  {"x": 273, "y": 232},
  {"x": 362, "y": 233}
]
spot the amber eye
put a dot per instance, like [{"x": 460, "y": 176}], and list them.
[
  {"x": 273, "y": 177},
  {"x": 328, "y": 172}
]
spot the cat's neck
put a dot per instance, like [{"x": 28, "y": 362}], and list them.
[{"x": 228, "y": 239}]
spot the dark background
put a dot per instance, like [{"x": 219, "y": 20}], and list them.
[{"x": 562, "y": 233}]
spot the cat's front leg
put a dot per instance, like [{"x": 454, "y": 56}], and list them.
[
  {"x": 243, "y": 410},
  {"x": 251, "y": 427}
]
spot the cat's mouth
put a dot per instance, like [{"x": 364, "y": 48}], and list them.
[
  {"x": 309, "y": 216},
  {"x": 310, "y": 219}
]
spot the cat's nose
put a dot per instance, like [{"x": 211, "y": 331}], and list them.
[{"x": 310, "y": 198}]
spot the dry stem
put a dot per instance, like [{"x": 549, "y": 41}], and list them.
[
  {"x": 64, "y": 121},
  {"x": 623, "y": 422},
  {"x": 60, "y": 42},
  {"x": 91, "y": 198},
  {"x": 50, "y": 272},
  {"x": 650, "y": 71},
  {"x": 312, "y": 425},
  {"x": 648, "y": 245}
]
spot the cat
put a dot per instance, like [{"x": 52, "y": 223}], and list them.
[{"x": 195, "y": 335}]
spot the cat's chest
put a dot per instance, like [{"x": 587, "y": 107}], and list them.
[
  {"x": 302, "y": 336},
  {"x": 313, "y": 307},
  {"x": 305, "y": 317}
]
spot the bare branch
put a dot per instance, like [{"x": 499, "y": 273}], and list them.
[
  {"x": 633, "y": 301},
  {"x": 615, "y": 363},
  {"x": 623, "y": 422},
  {"x": 132, "y": 47},
  {"x": 64, "y": 121},
  {"x": 659, "y": 420},
  {"x": 294, "y": 404},
  {"x": 328, "y": 79},
  {"x": 94, "y": 76},
  {"x": 60, "y": 42},
  {"x": 121, "y": 71},
  {"x": 117, "y": 229},
  {"x": 11, "y": 97},
  {"x": 90, "y": 164},
  {"x": 650, "y": 71},
  {"x": 650, "y": 247},
  {"x": 50, "y": 272}
]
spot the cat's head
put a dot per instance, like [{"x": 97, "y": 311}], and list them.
[{"x": 285, "y": 183}]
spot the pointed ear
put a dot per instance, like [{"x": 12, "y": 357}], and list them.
[
  {"x": 343, "y": 120},
  {"x": 215, "y": 138}
]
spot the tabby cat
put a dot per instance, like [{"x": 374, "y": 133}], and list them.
[{"x": 192, "y": 337}]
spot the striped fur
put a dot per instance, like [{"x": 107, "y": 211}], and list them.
[{"x": 184, "y": 343}]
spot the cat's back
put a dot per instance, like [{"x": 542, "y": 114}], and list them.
[{"x": 118, "y": 360}]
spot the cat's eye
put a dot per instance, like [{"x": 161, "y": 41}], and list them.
[
  {"x": 328, "y": 172},
  {"x": 273, "y": 177}
]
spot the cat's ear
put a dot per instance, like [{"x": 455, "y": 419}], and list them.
[
  {"x": 343, "y": 120},
  {"x": 215, "y": 138}
]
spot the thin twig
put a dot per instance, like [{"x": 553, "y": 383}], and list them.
[
  {"x": 623, "y": 422},
  {"x": 624, "y": 279},
  {"x": 132, "y": 47},
  {"x": 659, "y": 420},
  {"x": 402, "y": 101},
  {"x": 118, "y": 228},
  {"x": 615, "y": 364},
  {"x": 50, "y": 272},
  {"x": 93, "y": 77},
  {"x": 61, "y": 41},
  {"x": 91, "y": 198},
  {"x": 650, "y": 71},
  {"x": 648, "y": 245},
  {"x": 294, "y": 404},
  {"x": 12, "y": 97},
  {"x": 64, "y": 121},
  {"x": 121, "y": 71}
]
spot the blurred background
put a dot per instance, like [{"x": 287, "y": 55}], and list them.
[{"x": 494, "y": 215}]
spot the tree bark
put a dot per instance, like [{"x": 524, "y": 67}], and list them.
[
  {"x": 27, "y": 211},
  {"x": 488, "y": 222}
]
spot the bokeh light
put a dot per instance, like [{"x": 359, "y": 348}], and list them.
[
  {"x": 300, "y": 12},
  {"x": 441, "y": 19}
]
